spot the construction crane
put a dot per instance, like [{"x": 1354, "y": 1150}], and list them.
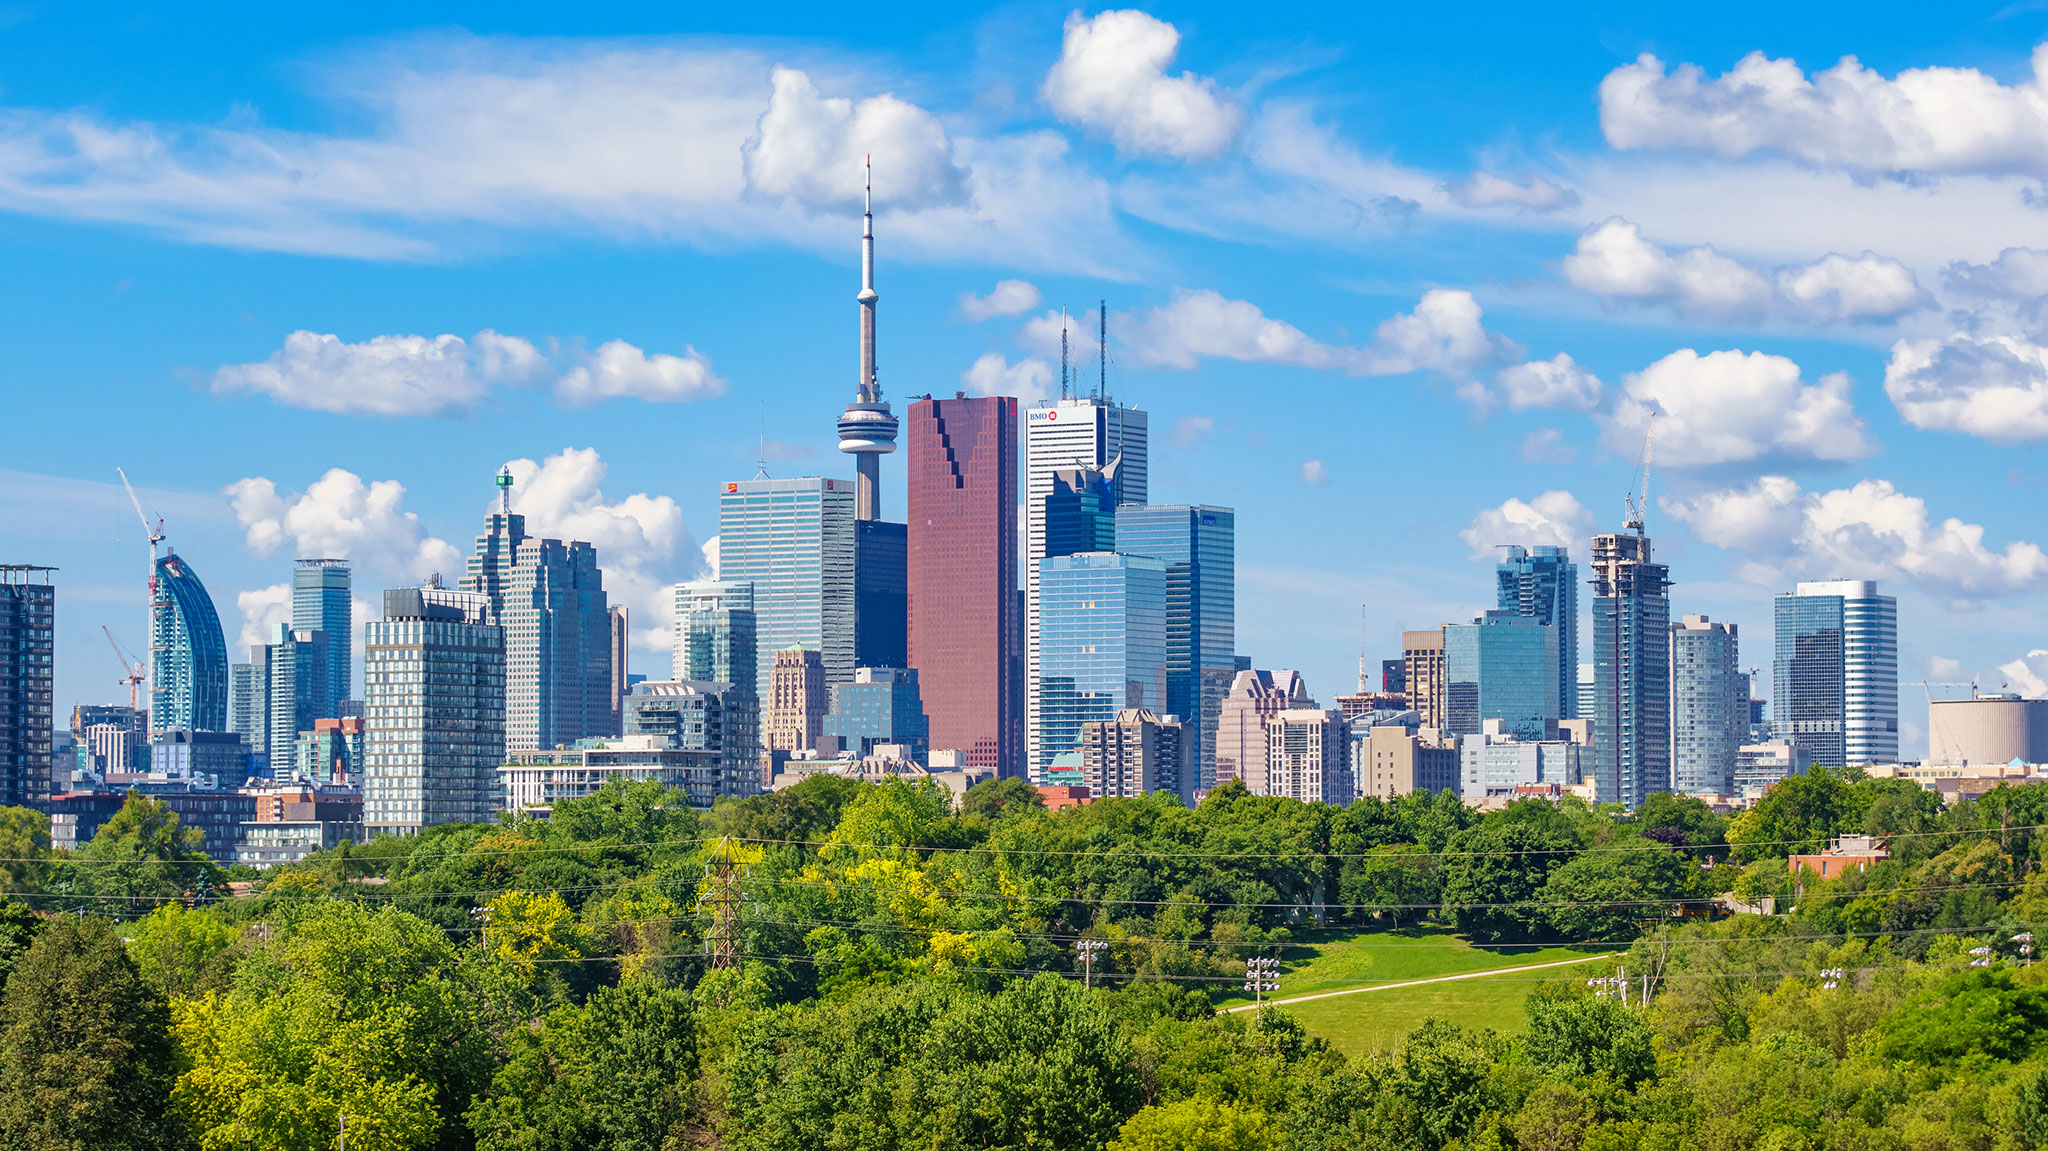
[
  {"x": 155, "y": 532},
  {"x": 1638, "y": 497},
  {"x": 135, "y": 671}
]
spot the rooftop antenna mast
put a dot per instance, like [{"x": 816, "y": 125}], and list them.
[
  {"x": 1636, "y": 506},
  {"x": 1102, "y": 353},
  {"x": 1063, "y": 351},
  {"x": 761, "y": 446}
]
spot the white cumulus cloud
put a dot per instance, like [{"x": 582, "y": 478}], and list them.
[
  {"x": 642, "y": 544},
  {"x": 1029, "y": 379},
  {"x": 383, "y": 375},
  {"x": 1111, "y": 77},
  {"x": 1558, "y": 383},
  {"x": 262, "y": 610},
  {"x": 1314, "y": 473},
  {"x": 1613, "y": 260},
  {"x": 1938, "y": 119},
  {"x": 812, "y": 148},
  {"x": 1867, "y": 531},
  {"x": 1991, "y": 386},
  {"x": 618, "y": 369},
  {"x": 1444, "y": 333},
  {"x": 341, "y": 516},
  {"x": 1553, "y": 518},
  {"x": 1731, "y": 406},
  {"x": 1007, "y": 298}
]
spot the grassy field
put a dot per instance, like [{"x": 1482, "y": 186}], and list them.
[{"x": 1376, "y": 1020}]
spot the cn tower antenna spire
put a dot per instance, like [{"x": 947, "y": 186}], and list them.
[{"x": 867, "y": 429}]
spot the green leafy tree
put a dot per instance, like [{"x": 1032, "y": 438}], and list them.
[
  {"x": 1495, "y": 872},
  {"x": 996, "y": 798},
  {"x": 19, "y": 927},
  {"x": 1605, "y": 896},
  {"x": 1198, "y": 1125},
  {"x": 85, "y": 1058},
  {"x": 182, "y": 951},
  {"x": 1801, "y": 814},
  {"x": 611, "y": 1075},
  {"x": 1390, "y": 883},
  {"x": 24, "y": 849},
  {"x": 1982, "y": 1011},
  {"x": 1578, "y": 1035},
  {"x": 141, "y": 855}
]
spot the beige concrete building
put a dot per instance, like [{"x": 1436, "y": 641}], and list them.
[
  {"x": 798, "y": 699},
  {"x": 1422, "y": 663},
  {"x": 1135, "y": 753},
  {"x": 1306, "y": 756},
  {"x": 1388, "y": 762},
  {"x": 1255, "y": 697},
  {"x": 1990, "y": 729}
]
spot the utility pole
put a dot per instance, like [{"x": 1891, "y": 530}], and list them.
[
  {"x": 1088, "y": 949},
  {"x": 344, "y": 1132},
  {"x": 722, "y": 873}
]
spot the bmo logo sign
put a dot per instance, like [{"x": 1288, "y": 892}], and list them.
[{"x": 1045, "y": 415}]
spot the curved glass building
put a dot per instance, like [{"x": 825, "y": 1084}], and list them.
[{"x": 188, "y": 675}]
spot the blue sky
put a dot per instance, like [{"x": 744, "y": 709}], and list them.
[{"x": 1398, "y": 285}]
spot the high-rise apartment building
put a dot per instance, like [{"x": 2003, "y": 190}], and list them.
[
  {"x": 881, "y": 705},
  {"x": 549, "y": 597},
  {"x": 966, "y": 633},
  {"x": 703, "y": 717},
  {"x": 1308, "y": 756},
  {"x": 1198, "y": 545},
  {"x": 298, "y": 684},
  {"x": 434, "y": 710},
  {"x": 1542, "y": 583},
  {"x": 1090, "y": 432},
  {"x": 1501, "y": 666},
  {"x": 715, "y": 643},
  {"x": 1391, "y": 760},
  {"x": 620, "y": 651},
  {"x": 1837, "y": 674},
  {"x": 1422, "y": 669},
  {"x": 1254, "y": 698},
  {"x": 1709, "y": 706},
  {"x": 1631, "y": 707},
  {"x": 188, "y": 672},
  {"x": 249, "y": 703},
  {"x": 799, "y": 695},
  {"x": 1134, "y": 753},
  {"x": 28, "y": 629},
  {"x": 794, "y": 541},
  {"x": 1102, "y": 644},
  {"x": 321, "y": 603}
]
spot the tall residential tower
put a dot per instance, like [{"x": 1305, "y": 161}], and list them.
[
  {"x": 1542, "y": 583},
  {"x": 1836, "y": 697},
  {"x": 1631, "y": 708}
]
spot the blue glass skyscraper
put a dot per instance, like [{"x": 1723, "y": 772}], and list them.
[
  {"x": 188, "y": 675},
  {"x": 1836, "y": 682},
  {"x": 1501, "y": 666},
  {"x": 1631, "y": 709},
  {"x": 1542, "y": 583},
  {"x": 1102, "y": 643},
  {"x": 1198, "y": 545},
  {"x": 880, "y": 706},
  {"x": 794, "y": 541},
  {"x": 320, "y": 602}
]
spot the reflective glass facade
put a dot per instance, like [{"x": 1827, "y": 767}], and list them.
[
  {"x": 1631, "y": 708},
  {"x": 1542, "y": 583},
  {"x": 320, "y": 602},
  {"x": 881, "y": 550},
  {"x": 1102, "y": 643},
  {"x": 715, "y": 642},
  {"x": 1199, "y": 547},
  {"x": 966, "y": 622},
  {"x": 1501, "y": 666},
  {"x": 794, "y": 541},
  {"x": 881, "y": 705},
  {"x": 549, "y": 597},
  {"x": 188, "y": 677},
  {"x": 434, "y": 711},
  {"x": 298, "y": 686},
  {"x": 703, "y": 717},
  {"x": 1835, "y": 674}
]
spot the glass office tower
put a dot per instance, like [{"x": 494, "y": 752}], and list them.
[
  {"x": 880, "y": 706},
  {"x": 1631, "y": 707},
  {"x": 1198, "y": 545},
  {"x": 320, "y": 602},
  {"x": 1542, "y": 583},
  {"x": 188, "y": 678},
  {"x": 296, "y": 689},
  {"x": 794, "y": 541},
  {"x": 434, "y": 711},
  {"x": 1836, "y": 674},
  {"x": 28, "y": 625},
  {"x": 966, "y": 632},
  {"x": 1102, "y": 643},
  {"x": 1501, "y": 666}
]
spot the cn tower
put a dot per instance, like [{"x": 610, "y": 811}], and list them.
[{"x": 866, "y": 429}]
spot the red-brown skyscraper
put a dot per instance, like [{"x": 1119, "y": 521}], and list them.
[{"x": 966, "y": 624}]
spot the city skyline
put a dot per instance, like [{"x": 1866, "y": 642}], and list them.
[{"x": 1467, "y": 314}]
